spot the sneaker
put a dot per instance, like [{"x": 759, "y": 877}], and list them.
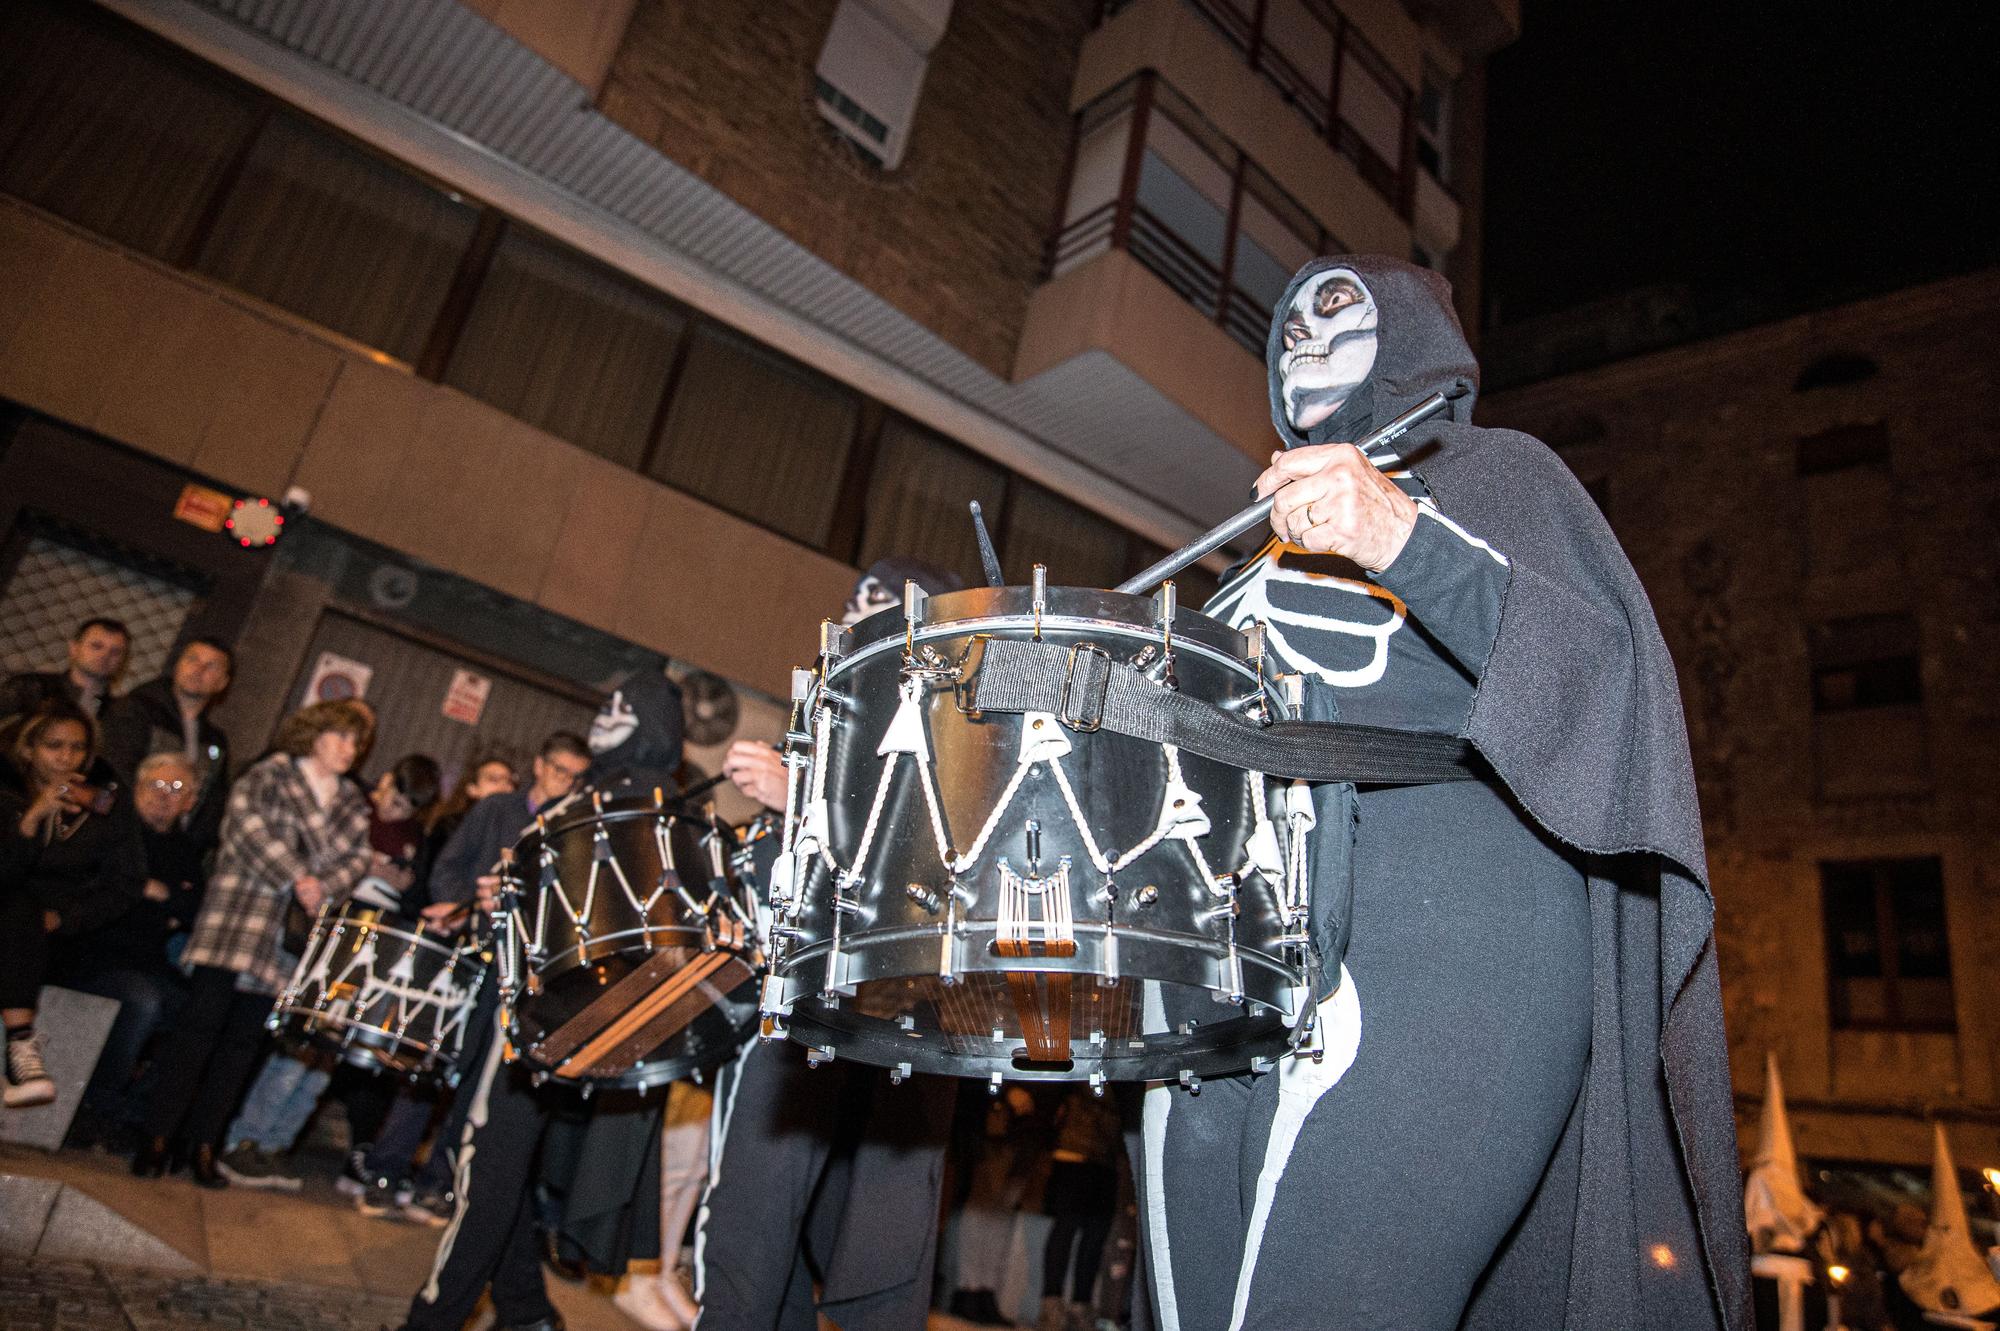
[
  {"x": 433, "y": 1208},
  {"x": 248, "y": 1166},
  {"x": 28, "y": 1081},
  {"x": 354, "y": 1180},
  {"x": 381, "y": 1198}
]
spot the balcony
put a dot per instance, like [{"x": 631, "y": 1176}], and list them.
[
  {"x": 1320, "y": 65},
  {"x": 1151, "y": 176}
]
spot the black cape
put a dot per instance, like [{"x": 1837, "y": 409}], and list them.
[{"x": 1578, "y": 712}]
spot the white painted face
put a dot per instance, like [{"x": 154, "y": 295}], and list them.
[
  {"x": 1329, "y": 340},
  {"x": 870, "y": 594},
  {"x": 613, "y": 724}
]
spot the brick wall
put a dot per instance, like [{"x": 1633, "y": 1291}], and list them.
[
  {"x": 953, "y": 236},
  {"x": 1695, "y": 449}
]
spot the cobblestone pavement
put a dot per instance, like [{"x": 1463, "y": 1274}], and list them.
[{"x": 73, "y": 1296}]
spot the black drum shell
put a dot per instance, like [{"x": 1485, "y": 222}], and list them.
[{"x": 566, "y": 965}]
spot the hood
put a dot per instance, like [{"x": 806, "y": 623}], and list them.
[
  {"x": 1420, "y": 349},
  {"x": 636, "y": 736}
]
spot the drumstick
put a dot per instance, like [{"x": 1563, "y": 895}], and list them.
[
  {"x": 989, "y": 562},
  {"x": 701, "y": 788},
  {"x": 1223, "y": 533}
]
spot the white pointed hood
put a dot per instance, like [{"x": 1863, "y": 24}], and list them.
[
  {"x": 1775, "y": 1206},
  {"x": 1949, "y": 1274}
]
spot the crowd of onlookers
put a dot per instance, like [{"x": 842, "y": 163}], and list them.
[{"x": 132, "y": 866}]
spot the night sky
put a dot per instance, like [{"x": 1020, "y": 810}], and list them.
[{"x": 1790, "y": 155}]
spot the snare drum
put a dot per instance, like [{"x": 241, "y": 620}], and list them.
[
  {"x": 1025, "y": 895},
  {"x": 383, "y": 991},
  {"x": 628, "y": 947}
]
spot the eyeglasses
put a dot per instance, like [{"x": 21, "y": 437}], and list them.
[{"x": 173, "y": 786}]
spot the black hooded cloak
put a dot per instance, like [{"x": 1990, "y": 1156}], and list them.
[{"x": 1578, "y": 713}]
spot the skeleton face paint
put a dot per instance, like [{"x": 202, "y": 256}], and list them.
[
  {"x": 870, "y": 594},
  {"x": 1329, "y": 340},
  {"x": 613, "y": 725}
]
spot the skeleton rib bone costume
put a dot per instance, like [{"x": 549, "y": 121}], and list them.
[{"x": 1524, "y": 1090}]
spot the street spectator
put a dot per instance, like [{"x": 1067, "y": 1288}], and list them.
[
  {"x": 489, "y": 774},
  {"x": 290, "y": 1083},
  {"x": 170, "y": 715},
  {"x": 97, "y": 652},
  {"x": 397, "y": 802},
  {"x": 1082, "y": 1197},
  {"x": 128, "y": 959},
  {"x": 294, "y": 831},
  {"x": 1009, "y": 1155},
  {"x": 463, "y": 874},
  {"x": 70, "y": 865},
  {"x": 498, "y": 821}
]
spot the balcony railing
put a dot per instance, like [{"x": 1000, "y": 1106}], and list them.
[
  {"x": 1150, "y": 176},
  {"x": 1321, "y": 65}
]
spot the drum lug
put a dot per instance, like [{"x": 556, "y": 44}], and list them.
[
  {"x": 818, "y": 1054},
  {"x": 1097, "y": 1084},
  {"x": 924, "y": 898},
  {"x": 898, "y": 1073},
  {"x": 993, "y": 1081},
  {"x": 1189, "y": 1082}
]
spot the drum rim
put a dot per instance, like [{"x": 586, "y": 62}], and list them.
[
  {"x": 1021, "y": 624},
  {"x": 874, "y": 1042},
  {"x": 340, "y": 920},
  {"x": 618, "y": 808},
  {"x": 1191, "y": 626}
]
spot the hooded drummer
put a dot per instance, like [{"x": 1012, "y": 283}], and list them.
[{"x": 1521, "y": 1114}]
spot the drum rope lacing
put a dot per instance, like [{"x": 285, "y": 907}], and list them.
[{"x": 1043, "y": 741}]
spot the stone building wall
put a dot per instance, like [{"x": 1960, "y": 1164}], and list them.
[
  {"x": 1695, "y": 454},
  {"x": 953, "y": 236}
]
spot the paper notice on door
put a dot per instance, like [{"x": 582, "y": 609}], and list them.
[{"x": 465, "y": 700}]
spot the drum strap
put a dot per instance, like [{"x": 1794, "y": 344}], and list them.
[{"x": 1086, "y": 690}]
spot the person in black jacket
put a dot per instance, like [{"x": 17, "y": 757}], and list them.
[
  {"x": 130, "y": 959},
  {"x": 170, "y": 715},
  {"x": 70, "y": 864},
  {"x": 97, "y": 652}
]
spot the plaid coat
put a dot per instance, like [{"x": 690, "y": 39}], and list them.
[{"x": 273, "y": 833}]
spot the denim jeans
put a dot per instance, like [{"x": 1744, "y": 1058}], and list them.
[
  {"x": 148, "y": 997},
  {"x": 279, "y": 1102},
  {"x": 402, "y": 1133}
]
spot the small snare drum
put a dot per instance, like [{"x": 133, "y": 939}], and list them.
[
  {"x": 383, "y": 991},
  {"x": 628, "y": 953}
]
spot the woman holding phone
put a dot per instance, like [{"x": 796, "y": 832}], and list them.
[{"x": 71, "y": 861}]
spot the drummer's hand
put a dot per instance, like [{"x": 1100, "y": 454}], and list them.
[
  {"x": 486, "y": 892},
  {"x": 310, "y": 892},
  {"x": 1331, "y": 500},
  {"x": 758, "y": 771}
]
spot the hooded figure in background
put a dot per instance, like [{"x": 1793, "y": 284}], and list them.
[
  {"x": 635, "y": 739},
  {"x": 1522, "y": 1115}
]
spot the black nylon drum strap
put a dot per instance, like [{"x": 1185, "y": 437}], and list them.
[{"x": 1087, "y": 690}]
